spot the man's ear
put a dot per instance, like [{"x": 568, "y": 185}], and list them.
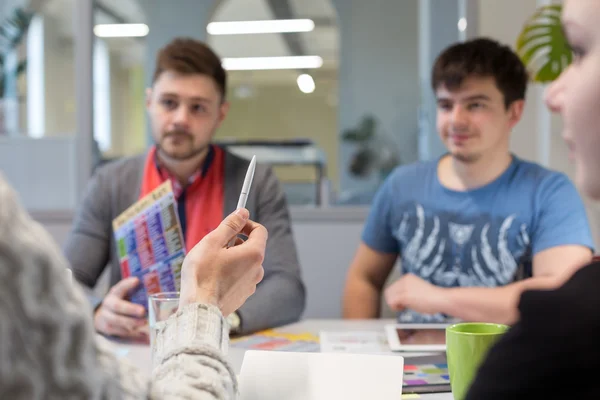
[
  {"x": 223, "y": 111},
  {"x": 515, "y": 111},
  {"x": 148, "y": 97}
]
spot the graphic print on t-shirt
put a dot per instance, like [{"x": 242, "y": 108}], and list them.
[{"x": 450, "y": 250}]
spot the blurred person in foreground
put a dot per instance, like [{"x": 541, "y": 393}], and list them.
[
  {"x": 552, "y": 351},
  {"x": 48, "y": 346}
]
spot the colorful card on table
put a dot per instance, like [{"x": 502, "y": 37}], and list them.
[
  {"x": 278, "y": 341},
  {"x": 427, "y": 374},
  {"x": 151, "y": 244}
]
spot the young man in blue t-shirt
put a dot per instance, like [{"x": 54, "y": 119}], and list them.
[{"x": 478, "y": 226}]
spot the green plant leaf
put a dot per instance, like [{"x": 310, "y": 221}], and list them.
[
  {"x": 542, "y": 46},
  {"x": 352, "y": 135},
  {"x": 14, "y": 28},
  {"x": 22, "y": 67},
  {"x": 364, "y": 131},
  {"x": 12, "y": 32}
]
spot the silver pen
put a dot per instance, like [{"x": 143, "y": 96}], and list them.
[{"x": 245, "y": 190}]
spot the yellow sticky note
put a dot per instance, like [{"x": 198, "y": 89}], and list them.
[{"x": 410, "y": 396}]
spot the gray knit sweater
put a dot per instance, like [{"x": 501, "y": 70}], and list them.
[{"x": 48, "y": 346}]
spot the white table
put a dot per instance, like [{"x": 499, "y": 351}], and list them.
[{"x": 139, "y": 354}]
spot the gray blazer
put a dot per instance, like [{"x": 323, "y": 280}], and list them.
[{"x": 279, "y": 299}]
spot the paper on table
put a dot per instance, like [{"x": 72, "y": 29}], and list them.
[
  {"x": 273, "y": 375},
  {"x": 354, "y": 342}
]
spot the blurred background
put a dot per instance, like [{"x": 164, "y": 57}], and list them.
[{"x": 334, "y": 100}]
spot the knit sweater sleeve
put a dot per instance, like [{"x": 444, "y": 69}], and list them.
[{"x": 189, "y": 360}]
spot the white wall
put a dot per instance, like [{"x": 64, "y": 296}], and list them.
[
  {"x": 127, "y": 100},
  {"x": 59, "y": 69},
  {"x": 42, "y": 171},
  {"x": 281, "y": 111}
]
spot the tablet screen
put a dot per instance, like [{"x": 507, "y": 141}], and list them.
[{"x": 421, "y": 336}]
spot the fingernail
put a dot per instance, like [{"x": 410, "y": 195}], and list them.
[{"x": 242, "y": 212}]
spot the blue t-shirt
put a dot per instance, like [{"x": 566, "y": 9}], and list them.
[{"x": 482, "y": 237}]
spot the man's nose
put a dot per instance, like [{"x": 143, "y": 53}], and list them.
[
  {"x": 555, "y": 93},
  {"x": 182, "y": 116},
  {"x": 459, "y": 116}
]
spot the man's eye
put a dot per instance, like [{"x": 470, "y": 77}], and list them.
[{"x": 168, "y": 103}]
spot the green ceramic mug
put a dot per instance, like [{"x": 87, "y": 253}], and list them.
[{"x": 466, "y": 346}]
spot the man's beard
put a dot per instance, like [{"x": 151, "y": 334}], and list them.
[
  {"x": 191, "y": 153},
  {"x": 467, "y": 158}
]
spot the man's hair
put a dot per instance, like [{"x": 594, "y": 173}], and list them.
[
  {"x": 481, "y": 58},
  {"x": 189, "y": 56}
]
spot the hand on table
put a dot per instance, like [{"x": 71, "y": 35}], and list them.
[
  {"x": 117, "y": 316},
  {"x": 412, "y": 292}
]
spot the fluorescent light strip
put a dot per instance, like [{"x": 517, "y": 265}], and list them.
[
  {"x": 266, "y": 26},
  {"x": 260, "y": 63},
  {"x": 36, "y": 95},
  {"x": 121, "y": 30}
]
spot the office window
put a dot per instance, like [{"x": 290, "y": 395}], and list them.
[
  {"x": 37, "y": 84},
  {"x": 282, "y": 62},
  {"x": 119, "y": 50}
]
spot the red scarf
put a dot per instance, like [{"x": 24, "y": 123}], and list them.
[{"x": 203, "y": 197}]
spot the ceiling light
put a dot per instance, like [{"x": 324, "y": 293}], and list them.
[
  {"x": 259, "y": 63},
  {"x": 121, "y": 30},
  {"x": 267, "y": 26},
  {"x": 306, "y": 83},
  {"x": 462, "y": 24}
]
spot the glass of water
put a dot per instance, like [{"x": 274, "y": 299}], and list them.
[{"x": 160, "y": 307}]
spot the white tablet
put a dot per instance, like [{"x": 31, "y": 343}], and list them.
[{"x": 416, "y": 337}]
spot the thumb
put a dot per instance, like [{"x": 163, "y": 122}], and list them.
[
  {"x": 230, "y": 226},
  {"x": 123, "y": 287}
]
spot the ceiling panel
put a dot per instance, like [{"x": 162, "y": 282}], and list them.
[
  {"x": 313, "y": 8},
  {"x": 129, "y": 10},
  {"x": 242, "y": 10},
  {"x": 323, "y": 42},
  {"x": 265, "y": 45}
]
